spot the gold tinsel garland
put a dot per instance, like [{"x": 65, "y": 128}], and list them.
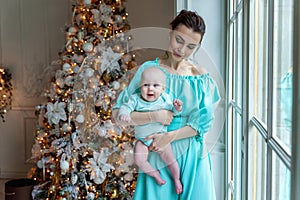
[{"x": 5, "y": 92}]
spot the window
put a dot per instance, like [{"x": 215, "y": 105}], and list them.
[
  {"x": 260, "y": 73},
  {"x": 235, "y": 101},
  {"x": 260, "y": 92}
]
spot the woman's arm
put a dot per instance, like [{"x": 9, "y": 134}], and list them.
[
  {"x": 140, "y": 118},
  {"x": 160, "y": 141}
]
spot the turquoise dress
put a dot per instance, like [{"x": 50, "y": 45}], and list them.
[{"x": 199, "y": 95}]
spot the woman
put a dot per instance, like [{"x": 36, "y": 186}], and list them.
[{"x": 194, "y": 86}]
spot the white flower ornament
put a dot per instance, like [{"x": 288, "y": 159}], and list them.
[
  {"x": 109, "y": 60},
  {"x": 56, "y": 112},
  {"x": 98, "y": 166}
]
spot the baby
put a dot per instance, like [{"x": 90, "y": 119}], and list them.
[{"x": 151, "y": 98}]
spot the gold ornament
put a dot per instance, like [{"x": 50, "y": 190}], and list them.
[
  {"x": 123, "y": 85},
  {"x": 115, "y": 194},
  {"x": 106, "y": 77},
  {"x": 105, "y": 32}
]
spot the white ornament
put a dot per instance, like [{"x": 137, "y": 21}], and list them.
[
  {"x": 88, "y": 72},
  {"x": 91, "y": 196},
  {"x": 72, "y": 30},
  {"x": 78, "y": 58},
  {"x": 74, "y": 179},
  {"x": 64, "y": 165},
  {"x": 98, "y": 180},
  {"x": 88, "y": 47},
  {"x": 70, "y": 107},
  {"x": 86, "y": 2},
  {"x": 69, "y": 81},
  {"x": 80, "y": 118},
  {"x": 66, "y": 127},
  {"x": 108, "y": 124},
  {"x": 98, "y": 102},
  {"x": 69, "y": 48},
  {"x": 76, "y": 69},
  {"x": 116, "y": 85},
  {"x": 60, "y": 82},
  {"x": 128, "y": 177},
  {"x": 99, "y": 130},
  {"x": 118, "y": 19},
  {"x": 66, "y": 67},
  {"x": 93, "y": 82},
  {"x": 40, "y": 164},
  {"x": 109, "y": 93},
  {"x": 80, "y": 35}
]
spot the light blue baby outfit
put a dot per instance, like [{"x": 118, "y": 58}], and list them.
[
  {"x": 199, "y": 95},
  {"x": 136, "y": 103}
]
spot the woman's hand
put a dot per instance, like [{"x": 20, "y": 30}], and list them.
[
  {"x": 160, "y": 141},
  {"x": 163, "y": 116}
]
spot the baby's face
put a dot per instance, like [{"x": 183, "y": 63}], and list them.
[
  {"x": 152, "y": 84},
  {"x": 151, "y": 91}
]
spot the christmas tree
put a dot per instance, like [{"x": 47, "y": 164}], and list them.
[{"x": 79, "y": 153}]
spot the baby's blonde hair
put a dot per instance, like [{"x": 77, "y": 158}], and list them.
[{"x": 154, "y": 75}]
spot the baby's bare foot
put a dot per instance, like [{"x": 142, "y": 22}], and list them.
[
  {"x": 158, "y": 179},
  {"x": 178, "y": 186}
]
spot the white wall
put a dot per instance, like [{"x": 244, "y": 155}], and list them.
[
  {"x": 213, "y": 13},
  {"x": 31, "y": 35},
  {"x": 154, "y": 13}
]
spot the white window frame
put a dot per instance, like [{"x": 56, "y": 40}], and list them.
[
  {"x": 265, "y": 130},
  {"x": 295, "y": 190}
]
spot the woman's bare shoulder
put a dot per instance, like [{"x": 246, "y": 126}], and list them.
[{"x": 197, "y": 70}]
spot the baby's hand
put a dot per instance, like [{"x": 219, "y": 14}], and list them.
[
  {"x": 125, "y": 118},
  {"x": 177, "y": 104}
]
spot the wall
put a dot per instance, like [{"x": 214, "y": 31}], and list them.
[
  {"x": 150, "y": 22},
  {"x": 213, "y": 13},
  {"x": 31, "y": 35}
]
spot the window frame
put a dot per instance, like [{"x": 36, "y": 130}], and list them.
[
  {"x": 249, "y": 120},
  {"x": 295, "y": 178}
]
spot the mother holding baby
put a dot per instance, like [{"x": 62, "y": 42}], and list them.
[{"x": 194, "y": 86}]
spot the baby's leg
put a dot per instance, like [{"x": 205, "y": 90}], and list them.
[
  {"x": 141, "y": 159},
  {"x": 169, "y": 158}
]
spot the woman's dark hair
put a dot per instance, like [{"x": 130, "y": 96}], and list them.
[{"x": 191, "y": 20}]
